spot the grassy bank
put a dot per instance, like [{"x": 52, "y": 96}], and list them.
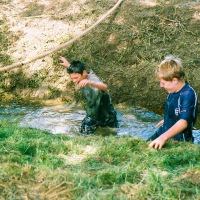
[
  {"x": 123, "y": 51},
  {"x": 39, "y": 165}
]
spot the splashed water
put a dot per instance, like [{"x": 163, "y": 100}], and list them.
[{"x": 133, "y": 121}]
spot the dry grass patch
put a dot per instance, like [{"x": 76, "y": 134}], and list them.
[{"x": 74, "y": 159}]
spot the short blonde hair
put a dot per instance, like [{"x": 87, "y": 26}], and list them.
[{"x": 171, "y": 67}]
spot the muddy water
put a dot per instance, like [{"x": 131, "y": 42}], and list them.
[{"x": 66, "y": 119}]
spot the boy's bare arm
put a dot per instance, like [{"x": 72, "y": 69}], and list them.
[
  {"x": 99, "y": 85},
  {"x": 65, "y": 62},
  {"x": 177, "y": 128},
  {"x": 159, "y": 123}
]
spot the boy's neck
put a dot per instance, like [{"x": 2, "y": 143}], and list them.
[{"x": 180, "y": 85}]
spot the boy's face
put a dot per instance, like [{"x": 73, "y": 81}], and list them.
[
  {"x": 76, "y": 77},
  {"x": 170, "y": 86}
]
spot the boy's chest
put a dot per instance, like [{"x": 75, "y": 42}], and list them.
[{"x": 172, "y": 106}]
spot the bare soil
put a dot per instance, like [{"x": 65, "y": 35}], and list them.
[{"x": 123, "y": 50}]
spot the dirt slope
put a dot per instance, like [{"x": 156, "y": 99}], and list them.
[{"x": 123, "y": 50}]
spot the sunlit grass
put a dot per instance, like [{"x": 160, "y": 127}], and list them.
[
  {"x": 123, "y": 51},
  {"x": 40, "y": 165}
]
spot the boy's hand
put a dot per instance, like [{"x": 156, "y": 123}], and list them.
[
  {"x": 64, "y": 63},
  {"x": 159, "y": 123},
  {"x": 84, "y": 82},
  {"x": 157, "y": 143}
]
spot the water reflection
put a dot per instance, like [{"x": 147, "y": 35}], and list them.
[
  {"x": 57, "y": 119},
  {"x": 134, "y": 121}
]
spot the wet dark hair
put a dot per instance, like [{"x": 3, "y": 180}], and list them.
[{"x": 76, "y": 66}]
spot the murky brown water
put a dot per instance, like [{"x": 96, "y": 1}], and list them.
[{"x": 134, "y": 121}]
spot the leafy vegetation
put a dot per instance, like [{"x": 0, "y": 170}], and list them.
[{"x": 38, "y": 165}]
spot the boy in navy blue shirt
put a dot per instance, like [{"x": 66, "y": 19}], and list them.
[{"x": 180, "y": 107}]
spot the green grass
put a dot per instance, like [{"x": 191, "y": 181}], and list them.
[
  {"x": 123, "y": 50},
  {"x": 38, "y": 165}
]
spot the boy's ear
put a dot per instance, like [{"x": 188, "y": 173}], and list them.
[
  {"x": 85, "y": 73},
  {"x": 175, "y": 80}
]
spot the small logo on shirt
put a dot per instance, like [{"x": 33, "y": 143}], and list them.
[
  {"x": 176, "y": 111},
  {"x": 183, "y": 110}
]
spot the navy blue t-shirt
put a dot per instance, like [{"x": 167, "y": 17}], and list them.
[{"x": 181, "y": 105}]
